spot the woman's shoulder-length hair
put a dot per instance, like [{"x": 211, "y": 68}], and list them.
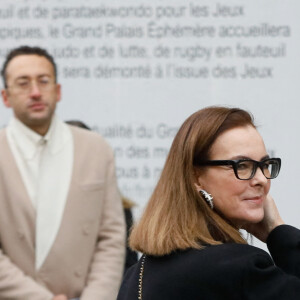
[{"x": 176, "y": 216}]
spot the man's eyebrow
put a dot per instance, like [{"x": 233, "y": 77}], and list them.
[
  {"x": 21, "y": 77},
  {"x": 29, "y": 77}
]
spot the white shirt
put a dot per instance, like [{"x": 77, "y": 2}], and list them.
[{"x": 45, "y": 164}]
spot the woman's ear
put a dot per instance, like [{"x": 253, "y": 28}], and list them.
[
  {"x": 198, "y": 187},
  {"x": 197, "y": 183}
]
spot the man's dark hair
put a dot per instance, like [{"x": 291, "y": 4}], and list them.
[{"x": 26, "y": 50}]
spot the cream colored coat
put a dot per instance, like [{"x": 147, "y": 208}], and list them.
[{"x": 87, "y": 256}]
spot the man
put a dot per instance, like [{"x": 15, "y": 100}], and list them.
[{"x": 62, "y": 227}]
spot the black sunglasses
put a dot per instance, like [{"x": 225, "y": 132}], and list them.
[{"x": 245, "y": 169}]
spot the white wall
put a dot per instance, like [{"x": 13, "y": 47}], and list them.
[{"x": 139, "y": 104}]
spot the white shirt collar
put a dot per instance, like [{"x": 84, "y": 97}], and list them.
[{"x": 29, "y": 141}]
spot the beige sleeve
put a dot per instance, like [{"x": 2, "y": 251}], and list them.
[{"x": 15, "y": 285}]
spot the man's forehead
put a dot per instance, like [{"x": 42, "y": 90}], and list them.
[{"x": 28, "y": 66}]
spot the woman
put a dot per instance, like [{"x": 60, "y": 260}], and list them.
[{"x": 216, "y": 181}]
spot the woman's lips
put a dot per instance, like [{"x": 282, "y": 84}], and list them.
[{"x": 256, "y": 199}]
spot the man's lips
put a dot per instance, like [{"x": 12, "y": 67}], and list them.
[{"x": 37, "y": 106}]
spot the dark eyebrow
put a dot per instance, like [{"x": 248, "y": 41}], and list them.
[
  {"x": 241, "y": 157},
  {"x": 44, "y": 75},
  {"x": 22, "y": 77}
]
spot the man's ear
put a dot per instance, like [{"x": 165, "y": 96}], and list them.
[
  {"x": 5, "y": 98},
  {"x": 58, "y": 92}
]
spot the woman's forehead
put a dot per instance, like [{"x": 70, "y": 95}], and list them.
[{"x": 239, "y": 141}]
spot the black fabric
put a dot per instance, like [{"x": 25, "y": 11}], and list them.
[
  {"x": 131, "y": 256},
  {"x": 228, "y": 271}
]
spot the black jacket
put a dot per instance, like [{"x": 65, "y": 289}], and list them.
[
  {"x": 131, "y": 256},
  {"x": 228, "y": 271}
]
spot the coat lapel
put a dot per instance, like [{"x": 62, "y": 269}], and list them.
[
  {"x": 16, "y": 199},
  {"x": 12, "y": 171},
  {"x": 56, "y": 173}
]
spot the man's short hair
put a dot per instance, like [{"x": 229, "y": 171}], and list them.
[{"x": 26, "y": 50}]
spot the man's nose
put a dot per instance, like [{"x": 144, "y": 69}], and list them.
[{"x": 35, "y": 91}]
